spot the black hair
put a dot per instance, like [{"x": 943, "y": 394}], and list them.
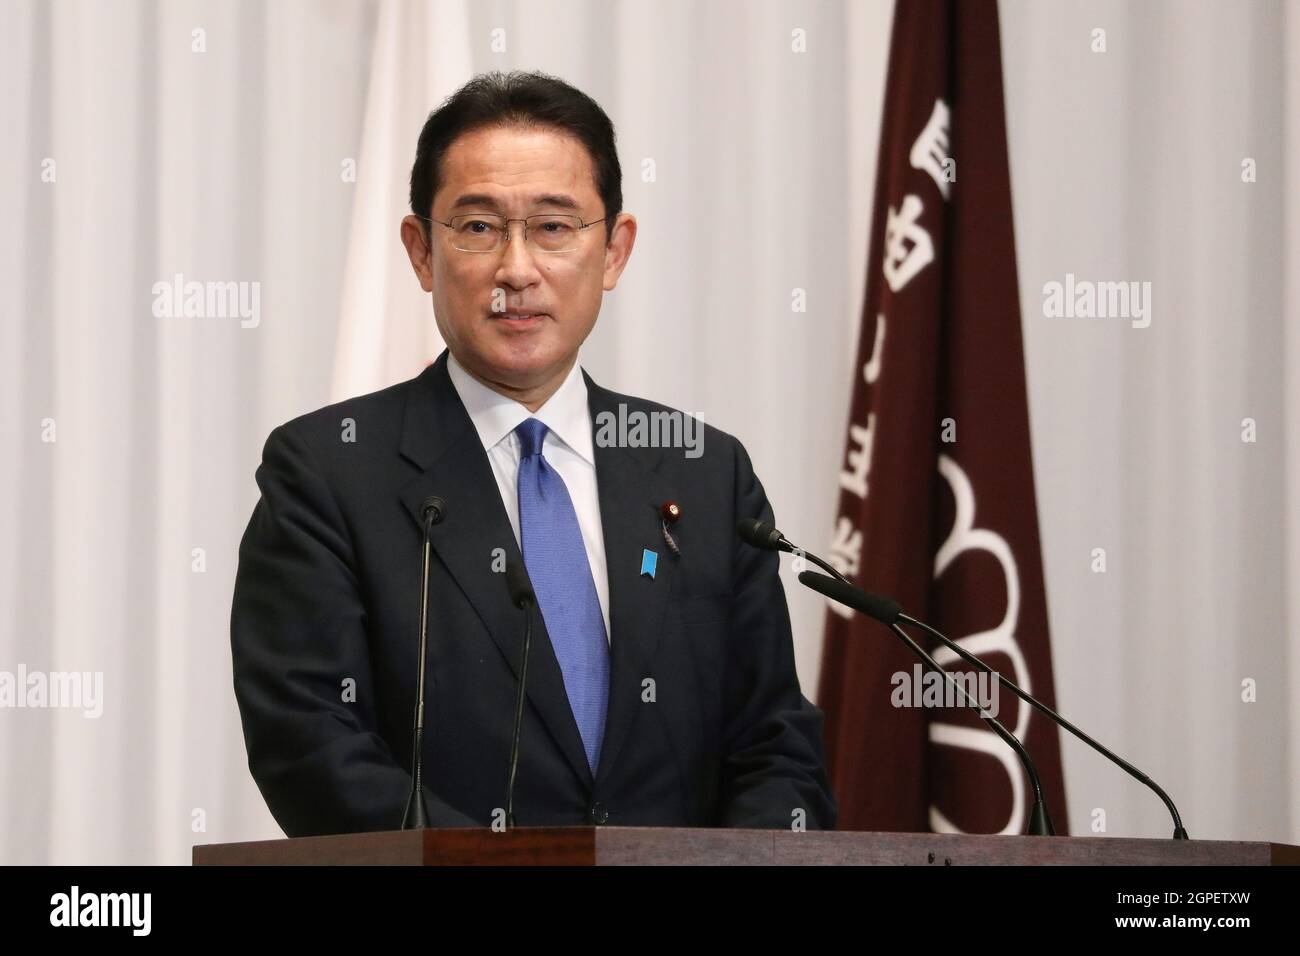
[{"x": 503, "y": 99}]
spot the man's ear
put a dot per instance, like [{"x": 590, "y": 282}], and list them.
[
  {"x": 619, "y": 249},
  {"x": 417, "y": 250}
]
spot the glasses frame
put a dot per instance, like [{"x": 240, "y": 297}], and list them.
[{"x": 550, "y": 252}]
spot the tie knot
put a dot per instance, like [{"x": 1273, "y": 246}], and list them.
[{"x": 531, "y": 434}]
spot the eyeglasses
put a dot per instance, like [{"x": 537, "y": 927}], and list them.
[{"x": 488, "y": 232}]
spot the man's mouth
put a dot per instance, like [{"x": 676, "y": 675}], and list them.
[{"x": 518, "y": 316}]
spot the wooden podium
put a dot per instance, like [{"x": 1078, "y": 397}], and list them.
[{"x": 650, "y": 846}]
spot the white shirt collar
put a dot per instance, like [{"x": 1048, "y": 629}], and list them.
[{"x": 565, "y": 414}]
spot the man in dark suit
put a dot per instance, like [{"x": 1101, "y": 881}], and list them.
[{"x": 661, "y": 687}]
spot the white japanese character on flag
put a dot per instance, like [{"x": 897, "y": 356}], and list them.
[
  {"x": 904, "y": 261},
  {"x": 930, "y": 151}
]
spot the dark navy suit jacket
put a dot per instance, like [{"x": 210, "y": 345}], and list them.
[{"x": 706, "y": 726}]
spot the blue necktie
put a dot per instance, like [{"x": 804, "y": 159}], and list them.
[{"x": 566, "y": 593}]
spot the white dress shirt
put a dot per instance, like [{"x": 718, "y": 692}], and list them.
[{"x": 569, "y": 448}]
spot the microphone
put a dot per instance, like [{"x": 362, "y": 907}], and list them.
[
  {"x": 881, "y": 609},
  {"x": 434, "y": 507},
  {"x": 762, "y": 536},
  {"x": 523, "y": 597},
  {"x": 871, "y": 605},
  {"x": 887, "y": 612},
  {"x": 766, "y": 538},
  {"x": 517, "y": 583},
  {"x": 432, "y": 510}
]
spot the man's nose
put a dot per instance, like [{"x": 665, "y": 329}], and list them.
[{"x": 518, "y": 267}]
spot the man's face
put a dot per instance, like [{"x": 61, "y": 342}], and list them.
[{"x": 525, "y": 337}]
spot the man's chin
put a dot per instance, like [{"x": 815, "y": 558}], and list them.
[
  {"x": 522, "y": 357},
  {"x": 521, "y": 363}
]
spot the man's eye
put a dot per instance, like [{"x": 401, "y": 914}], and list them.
[{"x": 477, "y": 226}]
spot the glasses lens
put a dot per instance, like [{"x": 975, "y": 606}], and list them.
[
  {"x": 554, "y": 233},
  {"x": 477, "y": 232}
]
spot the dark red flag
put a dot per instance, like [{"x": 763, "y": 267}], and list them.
[{"x": 937, "y": 503}]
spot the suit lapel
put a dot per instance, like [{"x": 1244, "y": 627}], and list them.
[
  {"x": 438, "y": 437},
  {"x": 631, "y": 492}
]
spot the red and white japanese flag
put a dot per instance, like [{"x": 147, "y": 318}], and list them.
[{"x": 386, "y": 332}]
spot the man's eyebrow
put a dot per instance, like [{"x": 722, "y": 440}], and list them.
[
  {"x": 556, "y": 199},
  {"x": 474, "y": 199},
  {"x": 483, "y": 200}
]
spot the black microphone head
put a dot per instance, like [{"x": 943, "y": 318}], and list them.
[
  {"x": 873, "y": 605},
  {"x": 517, "y": 583},
  {"x": 433, "y": 509},
  {"x": 761, "y": 535}
]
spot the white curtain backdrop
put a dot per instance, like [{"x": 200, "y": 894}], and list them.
[
  {"x": 223, "y": 156},
  {"x": 421, "y": 54}
]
